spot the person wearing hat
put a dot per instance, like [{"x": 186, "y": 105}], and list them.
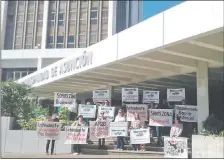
[
  {"x": 76, "y": 148},
  {"x": 177, "y": 128},
  {"x": 101, "y": 141},
  {"x": 120, "y": 140}
]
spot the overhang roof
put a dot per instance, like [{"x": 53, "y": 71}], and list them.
[{"x": 168, "y": 44}]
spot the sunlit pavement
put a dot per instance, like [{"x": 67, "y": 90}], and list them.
[{"x": 17, "y": 155}]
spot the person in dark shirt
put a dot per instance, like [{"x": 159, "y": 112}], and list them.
[{"x": 165, "y": 105}]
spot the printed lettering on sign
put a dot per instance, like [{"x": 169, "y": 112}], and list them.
[
  {"x": 108, "y": 112},
  {"x": 141, "y": 109},
  {"x": 150, "y": 96},
  {"x": 118, "y": 129},
  {"x": 175, "y": 147},
  {"x": 99, "y": 129},
  {"x": 161, "y": 117},
  {"x": 87, "y": 111},
  {"x": 49, "y": 130},
  {"x": 101, "y": 95},
  {"x": 187, "y": 113},
  {"x": 139, "y": 136},
  {"x": 76, "y": 135},
  {"x": 64, "y": 99},
  {"x": 176, "y": 95},
  {"x": 129, "y": 94}
]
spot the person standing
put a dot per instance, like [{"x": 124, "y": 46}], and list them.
[
  {"x": 120, "y": 140},
  {"x": 76, "y": 148},
  {"x": 101, "y": 141},
  {"x": 54, "y": 118},
  {"x": 72, "y": 111},
  {"x": 177, "y": 128}
]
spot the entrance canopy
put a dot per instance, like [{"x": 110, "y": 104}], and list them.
[{"x": 168, "y": 44}]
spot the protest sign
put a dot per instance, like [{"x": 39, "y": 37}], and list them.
[
  {"x": 64, "y": 99},
  {"x": 99, "y": 129},
  {"x": 108, "y": 112},
  {"x": 142, "y": 109},
  {"x": 76, "y": 135},
  {"x": 161, "y": 117},
  {"x": 150, "y": 96},
  {"x": 118, "y": 129},
  {"x": 139, "y": 136},
  {"x": 129, "y": 94},
  {"x": 175, "y": 95},
  {"x": 187, "y": 113},
  {"x": 101, "y": 95},
  {"x": 87, "y": 111},
  {"x": 50, "y": 130},
  {"x": 175, "y": 147}
]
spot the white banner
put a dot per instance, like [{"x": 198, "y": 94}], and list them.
[
  {"x": 87, "y": 111},
  {"x": 64, "y": 99},
  {"x": 187, "y": 113},
  {"x": 175, "y": 147},
  {"x": 161, "y": 117},
  {"x": 176, "y": 95},
  {"x": 118, "y": 129},
  {"x": 129, "y": 94},
  {"x": 101, "y": 95},
  {"x": 76, "y": 135},
  {"x": 49, "y": 130},
  {"x": 142, "y": 109},
  {"x": 150, "y": 96},
  {"x": 139, "y": 136},
  {"x": 108, "y": 112},
  {"x": 99, "y": 129}
]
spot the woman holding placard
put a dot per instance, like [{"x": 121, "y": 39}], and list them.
[
  {"x": 177, "y": 128},
  {"x": 101, "y": 141}
]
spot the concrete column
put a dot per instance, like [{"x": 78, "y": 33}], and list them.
[
  {"x": 4, "y": 9},
  {"x": 45, "y": 22},
  {"x": 39, "y": 63},
  {"x": 202, "y": 93},
  {"x": 111, "y": 89},
  {"x": 112, "y": 18}
]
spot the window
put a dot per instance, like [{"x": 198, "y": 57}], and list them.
[
  {"x": 20, "y": 18},
  {"x": 60, "y": 45},
  {"x": 19, "y": 25},
  {"x": 30, "y": 17},
  {"x": 94, "y": 14},
  {"x": 60, "y": 39},
  {"x": 84, "y": 4},
  {"x": 52, "y": 16},
  {"x": 105, "y": 14},
  {"x": 70, "y": 45},
  {"x": 18, "y": 40},
  {"x": 60, "y": 23},
  {"x": 73, "y": 5},
  {"x": 93, "y": 21},
  {"x": 83, "y": 15},
  {"x": 82, "y": 45},
  {"x": 60, "y": 16},
  {"x": 72, "y": 15},
  {"x": 62, "y": 5},
  {"x": 40, "y": 16},
  {"x": 17, "y": 75},
  {"x": 19, "y": 31},
  {"x": 29, "y": 27},
  {"x": 82, "y": 38},
  {"x": 10, "y": 18},
  {"x": 28, "y": 46},
  {"x": 29, "y": 40},
  {"x": 50, "y": 39},
  {"x": 24, "y": 74},
  {"x": 50, "y": 45},
  {"x": 71, "y": 39},
  {"x": 103, "y": 36},
  {"x": 51, "y": 23},
  {"x": 18, "y": 46},
  {"x": 38, "y": 40},
  {"x": 93, "y": 37}
]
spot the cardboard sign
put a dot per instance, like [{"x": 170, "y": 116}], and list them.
[
  {"x": 108, "y": 112},
  {"x": 142, "y": 109},
  {"x": 118, "y": 129},
  {"x": 129, "y": 94},
  {"x": 161, "y": 117},
  {"x": 87, "y": 111},
  {"x": 64, "y": 99},
  {"x": 150, "y": 96},
  {"x": 99, "y": 129},
  {"x": 175, "y": 147},
  {"x": 187, "y": 113},
  {"x": 49, "y": 130},
  {"x": 76, "y": 135},
  {"x": 101, "y": 95},
  {"x": 139, "y": 136},
  {"x": 176, "y": 95}
]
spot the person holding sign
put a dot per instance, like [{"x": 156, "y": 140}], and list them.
[
  {"x": 120, "y": 140},
  {"x": 101, "y": 141},
  {"x": 76, "y": 148},
  {"x": 177, "y": 128}
]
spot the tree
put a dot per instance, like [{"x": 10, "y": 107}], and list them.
[{"x": 15, "y": 102}]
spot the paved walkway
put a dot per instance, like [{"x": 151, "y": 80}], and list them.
[{"x": 14, "y": 155}]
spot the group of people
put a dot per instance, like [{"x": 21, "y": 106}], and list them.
[{"x": 175, "y": 130}]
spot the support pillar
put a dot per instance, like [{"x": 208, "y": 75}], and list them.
[
  {"x": 111, "y": 89},
  {"x": 112, "y": 18},
  {"x": 39, "y": 63},
  {"x": 4, "y": 9},
  {"x": 202, "y": 93},
  {"x": 45, "y": 24}
]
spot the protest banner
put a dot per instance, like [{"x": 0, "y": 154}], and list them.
[
  {"x": 141, "y": 109},
  {"x": 64, "y": 99},
  {"x": 99, "y": 129},
  {"x": 87, "y": 111},
  {"x": 108, "y": 112},
  {"x": 50, "y": 130},
  {"x": 118, "y": 129},
  {"x": 161, "y": 117},
  {"x": 175, "y": 147},
  {"x": 176, "y": 95},
  {"x": 139, "y": 136},
  {"x": 76, "y": 135},
  {"x": 101, "y": 95},
  {"x": 150, "y": 96},
  {"x": 129, "y": 94},
  {"x": 187, "y": 113}
]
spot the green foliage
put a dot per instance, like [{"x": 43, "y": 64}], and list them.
[
  {"x": 15, "y": 102},
  {"x": 63, "y": 118},
  {"x": 29, "y": 124},
  {"x": 212, "y": 126}
]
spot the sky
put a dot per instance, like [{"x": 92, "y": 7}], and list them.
[{"x": 151, "y": 8}]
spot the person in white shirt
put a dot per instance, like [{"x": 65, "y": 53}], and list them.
[
  {"x": 177, "y": 128},
  {"x": 106, "y": 103},
  {"x": 101, "y": 141},
  {"x": 120, "y": 140}
]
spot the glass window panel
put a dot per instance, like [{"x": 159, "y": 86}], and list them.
[
  {"x": 73, "y": 5},
  {"x": 62, "y": 5},
  {"x": 40, "y": 16},
  {"x": 50, "y": 46},
  {"x": 38, "y": 40},
  {"x": 84, "y": 4},
  {"x": 30, "y": 17},
  {"x": 52, "y": 16},
  {"x": 40, "y": 6},
  {"x": 61, "y": 23},
  {"x": 20, "y": 18},
  {"x": 19, "y": 25},
  {"x": 18, "y": 46},
  {"x": 72, "y": 22},
  {"x": 9, "y": 75},
  {"x": 104, "y": 21},
  {"x": 19, "y": 31},
  {"x": 82, "y": 45},
  {"x": 29, "y": 40},
  {"x": 18, "y": 40},
  {"x": 10, "y": 18},
  {"x": 31, "y": 6},
  {"x": 83, "y": 15},
  {"x": 28, "y": 46},
  {"x": 82, "y": 38},
  {"x": 70, "y": 45},
  {"x": 60, "y": 39},
  {"x": 105, "y": 13},
  {"x": 24, "y": 74},
  {"x": 52, "y": 5},
  {"x": 94, "y": 14},
  {"x": 60, "y": 45},
  {"x": 71, "y": 39},
  {"x": 95, "y": 3},
  {"x": 60, "y": 16},
  {"x": 29, "y": 27},
  {"x": 50, "y": 39},
  {"x": 71, "y": 30},
  {"x": 103, "y": 36},
  {"x": 93, "y": 37},
  {"x": 16, "y": 75},
  {"x": 83, "y": 22},
  {"x": 93, "y": 21},
  {"x": 51, "y": 23},
  {"x": 72, "y": 15},
  {"x": 105, "y": 4}
]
